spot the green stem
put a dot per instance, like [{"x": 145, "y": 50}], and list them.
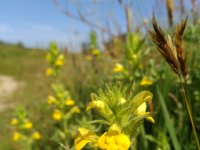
[
  {"x": 143, "y": 137},
  {"x": 187, "y": 101},
  {"x": 168, "y": 122},
  {"x": 65, "y": 128}
]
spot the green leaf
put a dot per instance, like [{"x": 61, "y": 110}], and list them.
[{"x": 99, "y": 121}]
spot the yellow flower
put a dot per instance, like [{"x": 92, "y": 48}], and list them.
[
  {"x": 28, "y": 125},
  {"x": 75, "y": 109},
  {"x": 14, "y": 122},
  {"x": 85, "y": 136},
  {"x": 60, "y": 60},
  {"x": 36, "y": 135},
  {"x": 88, "y": 58},
  {"x": 114, "y": 139},
  {"x": 51, "y": 100},
  {"x": 57, "y": 115},
  {"x": 95, "y": 52},
  {"x": 49, "y": 72},
  {"x": 69, "y": 102},
  {"x": 150, "y": 119},
  {"x": 16, "y": 136},
  {"x": 97, "y": 104},
  {"x": 146, "y": 82},
  {"x": 141, "y": 110},
  {"x": 118, "y": 68},
  {"x": 100, "y": 107},
  {"x": 122, "y": 100}
]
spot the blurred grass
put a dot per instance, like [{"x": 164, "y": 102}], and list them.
[{"x": 28, "y": 66}]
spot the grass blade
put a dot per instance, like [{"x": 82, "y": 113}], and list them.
[{"x": 168, "y": 122}]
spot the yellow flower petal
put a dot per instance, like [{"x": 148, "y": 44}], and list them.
[
  {"x": 14, "y": 122},
  {"x": 113, "y": 147},
  {"x": 60, "y": 60},
  {"x": 36, "y": 135},
  {"x": 83, "y": 131},
  {"x": 118, "y": 68},
  {"x": 28, "y": 125},
  {"x": 122, "y": 100},
  {"x": 85, "y": 136},
  {"x": 95, "y": 52},
  {"x": 102, "y": 141},
  {"x": 150, "y": 119},
  {"x": 49, "y": 72},
  {"x": 16, "y": 136},
  {"x": 75, "y": 109},
  {"x": 80, "y": 143},
  {"x": 141, "y": 109},
  {"x": 69, "y": 102},
  {"x": 51, "y": 100},
  {"x": 97, "y": 104},
  {"x": 123, "y": 142},
  {"x": 114, "y": 139},
  {"x": 57, "y": 115},
  {"x": 146, "y": 82}
]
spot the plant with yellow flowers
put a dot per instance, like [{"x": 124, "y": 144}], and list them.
[
  {"x": 121, "y": 114},
  {"x": 24, "y": 132},
  {"x": 62, "y": 106},
  {"x": 63, "y": 109},
  {"x": 55, "y": 60},
  {"x": 131, "y": 67}
]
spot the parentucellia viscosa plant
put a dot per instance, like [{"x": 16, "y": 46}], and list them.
[
  {"x": 25, "y": 135},
  {"x": 119, "y": 115},
  {"x": 64, "y": 108}
]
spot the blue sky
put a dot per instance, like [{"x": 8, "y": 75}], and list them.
[{"x": 37, "y": 22}]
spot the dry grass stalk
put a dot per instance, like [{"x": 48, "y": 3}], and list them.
[
  {"x": 170, "y": 8},
  {"x": 182, "y": 9},
  {"x": 173, "y": 52},
  {"x": 194, "y": 11},
  {"x": 128, "y": 18},
  {"x": 171, "y": 49}
]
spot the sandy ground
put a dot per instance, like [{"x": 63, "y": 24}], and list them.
[{"x": 8, "y": 85}]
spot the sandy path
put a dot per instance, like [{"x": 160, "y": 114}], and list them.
[{"x": 8, "y": 85}]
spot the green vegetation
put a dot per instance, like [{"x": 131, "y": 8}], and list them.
[{"x": 128, "y": 97}]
